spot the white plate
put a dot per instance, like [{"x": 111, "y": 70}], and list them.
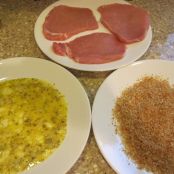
[
  {"x": 109, "y": 143},
  {"x": 134, "y": 51},
  {"x": 79, "y": 112}
]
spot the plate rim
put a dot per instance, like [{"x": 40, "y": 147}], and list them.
[
  {"x": 25, "y": 59},
  {"x": 78, "y": 66},
  {"x": 97, "y": 94}
]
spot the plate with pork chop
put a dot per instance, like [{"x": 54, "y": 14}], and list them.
[{"x": 93, "y": 35}]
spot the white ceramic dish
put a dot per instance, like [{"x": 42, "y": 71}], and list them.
[
  {"x": 134, "y": 51},
  {"x": 108, "y": 141},
  {"x": 79, "y": 112}
]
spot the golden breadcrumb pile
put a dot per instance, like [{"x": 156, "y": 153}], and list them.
[{"x": 144, "y": 115}]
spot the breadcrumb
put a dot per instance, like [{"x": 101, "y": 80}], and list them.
[{"x": 144, "y": 116}]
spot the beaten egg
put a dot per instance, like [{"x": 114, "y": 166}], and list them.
[{"x": 33, "y": 123}]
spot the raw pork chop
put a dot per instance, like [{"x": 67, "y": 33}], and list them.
[
  {"x": 63, "y": 22},
  {"x": 129, "y": 23},
  {"x": 96, "y": 48}
]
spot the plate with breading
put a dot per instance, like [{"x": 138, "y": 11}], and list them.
[{"x": 132, "y": 118}]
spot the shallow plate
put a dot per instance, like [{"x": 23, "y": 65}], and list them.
[
  {"x": 108, "y": 141},
  {"x": 134, "y": 51},
  {"x": 79, "y": 113}
]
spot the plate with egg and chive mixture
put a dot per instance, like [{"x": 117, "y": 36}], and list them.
[
  {"x": 40, "y": 117},
  {"x": 133, "y": 116}
]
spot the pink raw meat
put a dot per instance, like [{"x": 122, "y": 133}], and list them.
[
  {"x": 96, "y": 48},
  {"x": 62, "y": 22},
  {"x": 129, "y": 23}
]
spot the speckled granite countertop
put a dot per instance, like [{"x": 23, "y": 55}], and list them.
[{"x": 17, "y": 19}]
